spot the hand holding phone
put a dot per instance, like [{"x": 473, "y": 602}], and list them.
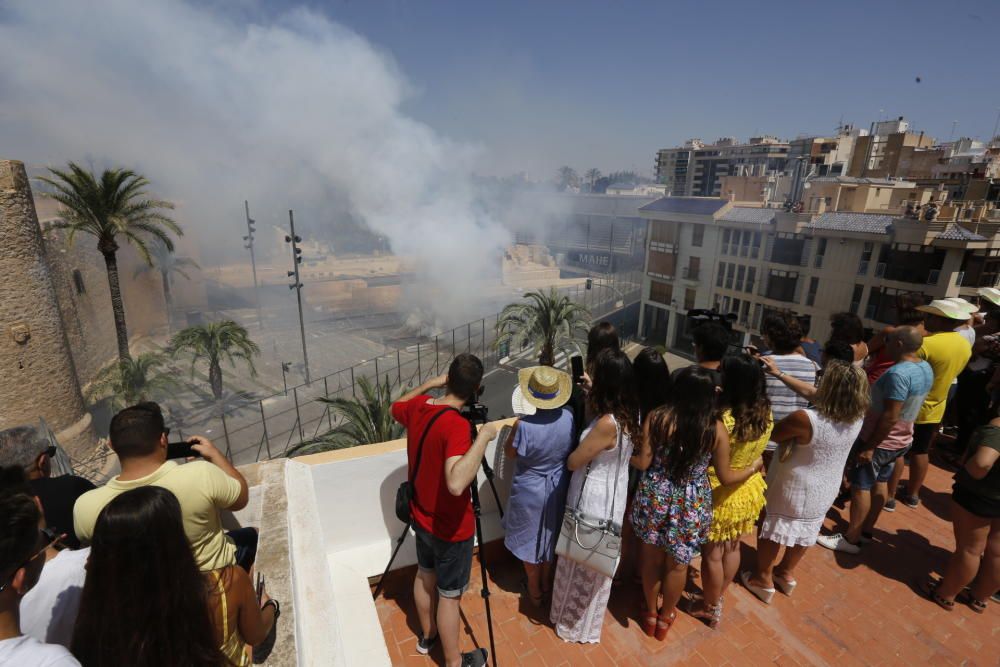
[
  {"x": 576, "y": 364},
  {"x": 181, "y": 450}
]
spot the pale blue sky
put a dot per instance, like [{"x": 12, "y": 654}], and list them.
[{"x": 607, "y": 83}]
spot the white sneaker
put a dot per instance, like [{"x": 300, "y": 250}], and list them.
[{"x": 838, "y": 543}]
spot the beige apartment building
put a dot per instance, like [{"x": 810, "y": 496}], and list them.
[{"x": 851, "y": 248}]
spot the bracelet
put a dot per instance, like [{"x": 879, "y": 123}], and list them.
[{"x": 272, "y": 603}]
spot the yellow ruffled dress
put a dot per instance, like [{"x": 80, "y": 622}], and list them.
[{"x": 735, "y": 508}]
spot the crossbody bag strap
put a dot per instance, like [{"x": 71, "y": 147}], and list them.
[
  {"x": 420, "y": 449},
  {"x": 618, "y": 470}
]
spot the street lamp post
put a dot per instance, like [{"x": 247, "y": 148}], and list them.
[
  {"x": 294, "y": 240},
  {"x": 253, "y": 262}
]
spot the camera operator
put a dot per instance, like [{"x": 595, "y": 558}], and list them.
[
  {"x": 204, "y": 488},
  {"x": 443, "y": 518}
]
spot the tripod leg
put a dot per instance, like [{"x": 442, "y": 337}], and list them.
[
  {"x": 395, "y": 552},
  {"x": 485, "y": 592}
]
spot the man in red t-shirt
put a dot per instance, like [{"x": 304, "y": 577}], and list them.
[{"x": 442, "y": 505}]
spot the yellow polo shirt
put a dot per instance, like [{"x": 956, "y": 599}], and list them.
[
  {"x": 947, "y": 352},
  {"x": 202, "y": 489}
]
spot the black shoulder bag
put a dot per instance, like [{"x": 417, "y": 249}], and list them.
[{"x": 406, "y": 493}]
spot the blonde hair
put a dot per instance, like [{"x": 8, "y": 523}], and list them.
[{"x": 843, "y": 394}]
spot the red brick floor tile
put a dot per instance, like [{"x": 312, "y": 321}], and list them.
[{"x": 848, "y": 610}]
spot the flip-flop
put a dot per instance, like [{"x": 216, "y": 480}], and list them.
[
  {"x": 978, "y": 606},
  {"x": 928, "y": 588}
]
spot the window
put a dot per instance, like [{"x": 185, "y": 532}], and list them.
[
  {"x": 735, "y": 246},
  {"x": 730, "y": 272},
  {"x": 697, "y": 236},
  {"x": 722, "y": 274},
  {"x": 740, "y": 273},
  {"x": 662, "y": 264},
  {"x": 726, "y": 234},
  {"x": 755, "y": 249},
  {"x": 756, "y": 316},
  {"x": 820, "y": 253},
  {"x": 745, "y": 247},
  {"x": 725, "y": 305},
  {"x": 866, "y": 257},
  {"x": 856, "y": 298},
  {"x": 751, "y": 278},
  {"x": 660, "y": 292},
  {"x": 735, "y": 308},
  {"x": 813, "y": 287},
  {"x": 744, "y": 313},
  {"x": 689, "y": 299},
  {"x": 78, "y": 282}
]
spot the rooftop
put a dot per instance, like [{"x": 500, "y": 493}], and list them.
[
  {"x": 864, "y": 223},
  {"x": 756, "y": 216},
  {"x": 956, "y": 232},
  {"x": 329, "y": 528},
  {"x": 685, "y": 205},
  {"x": 847, "y": 610}
]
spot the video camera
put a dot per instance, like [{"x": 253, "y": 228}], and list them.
[
  {"x": 473, "y": 410},
  {"x": 699, "y": 316}
]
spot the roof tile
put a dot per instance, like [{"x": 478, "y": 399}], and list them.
[{"x": 863, "y": 223}]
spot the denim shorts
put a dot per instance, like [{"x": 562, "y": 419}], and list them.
[
  {"x": 864, "y": 476},
  {"x": 450, "y": 562}
]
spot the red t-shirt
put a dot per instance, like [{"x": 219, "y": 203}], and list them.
[{"x": 441, "y": 514}]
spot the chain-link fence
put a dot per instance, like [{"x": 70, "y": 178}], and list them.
[{"x": 268, "y": 427}]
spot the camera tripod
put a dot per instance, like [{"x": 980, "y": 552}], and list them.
[{"x": 473, "y": 416}]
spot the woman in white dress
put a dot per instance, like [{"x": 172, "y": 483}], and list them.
[
  {"x": 580, "y": 595},
  {"x": 804, "y": 478}
]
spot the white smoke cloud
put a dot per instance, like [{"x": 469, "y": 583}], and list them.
[{"x": 295, "y": 112}]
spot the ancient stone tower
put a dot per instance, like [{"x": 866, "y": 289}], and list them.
[{"x": 37, "y": 376}]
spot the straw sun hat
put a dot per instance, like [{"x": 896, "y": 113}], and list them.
[
  {"x": 541, "y": 387},
  {"x": 992, "y": 294},
  {"x": 947, "y": 309}
]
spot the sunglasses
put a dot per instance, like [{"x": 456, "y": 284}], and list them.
[{"x": 51, "y": 538}]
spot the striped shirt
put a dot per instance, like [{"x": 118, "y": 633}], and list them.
[{"x": 784, "y": 401}]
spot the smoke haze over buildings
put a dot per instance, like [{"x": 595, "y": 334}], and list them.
[{"x": 297, "y": 113}]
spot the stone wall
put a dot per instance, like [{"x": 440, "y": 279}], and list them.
[{"x": 37, "y": 372}]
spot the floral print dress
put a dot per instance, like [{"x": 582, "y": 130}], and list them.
[{"x": 675, "y": 516}]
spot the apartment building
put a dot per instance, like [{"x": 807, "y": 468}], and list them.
[
  {"x": 892, "y": 150},
  {"x": 749, "y": 260},
  {"x": 697, "y": 169}
]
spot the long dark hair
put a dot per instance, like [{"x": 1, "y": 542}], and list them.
[
  {"x": 144, "y": 601},
  {"x": 613, "y": 391},
  {"x": 652, "y": 380},
  {"x": 683, "y": 432},
  {"x": 744, "y": 393}
]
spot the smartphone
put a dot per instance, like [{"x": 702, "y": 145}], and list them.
[
  {"x": 260, "y": 587},
  {"x": 180, "y": 450},
  {"x": 576, "y": 364}
]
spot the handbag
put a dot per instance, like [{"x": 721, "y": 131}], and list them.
[
  {"x": 406, "y": 493},
  {"x": 592, "y": 541}
]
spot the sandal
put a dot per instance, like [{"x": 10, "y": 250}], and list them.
[
  {"x": 928, "y": 587},
  {"x": 663, "y": 625},
  {"x": 785, "y": 584},
  {"x": 710, "y": 613},
  {"x": 649, "y": 623},
  {"x": 978, "y": 606},
  {"x": 761, "y": 593}
]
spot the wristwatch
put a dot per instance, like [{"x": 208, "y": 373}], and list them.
[{"x": 272, "y": 603}]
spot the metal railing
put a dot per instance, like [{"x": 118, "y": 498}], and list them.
[{"x": 267, "y": 427}]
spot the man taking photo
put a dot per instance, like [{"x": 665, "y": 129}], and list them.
[
  {"x": 204, "y": 488},
  {"x": 442, "y": 464}
]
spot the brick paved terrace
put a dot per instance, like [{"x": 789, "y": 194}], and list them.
[{"x": 847, "y": 610}]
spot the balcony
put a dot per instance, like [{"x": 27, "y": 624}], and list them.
[
  {"x": 690, "y": 273},
  {"x": 907, "y": 274}
]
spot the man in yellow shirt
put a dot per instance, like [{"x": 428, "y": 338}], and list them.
[
  {"x": 947, "y": 351},
  {"x": 203, "y": 488}
]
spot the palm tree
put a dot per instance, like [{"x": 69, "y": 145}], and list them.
[
  {"x": 363, "y": 421},
  {"x": 549, "y": 321},
  {"x": 592, "y": 175},
  {"x": 567, "y": 177},
  {"x": 130, "y": 381},
  {"x": 116, "y": 206},
  {"x": 168, "y": 264},
  {"x": 213, "y": 343}
]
